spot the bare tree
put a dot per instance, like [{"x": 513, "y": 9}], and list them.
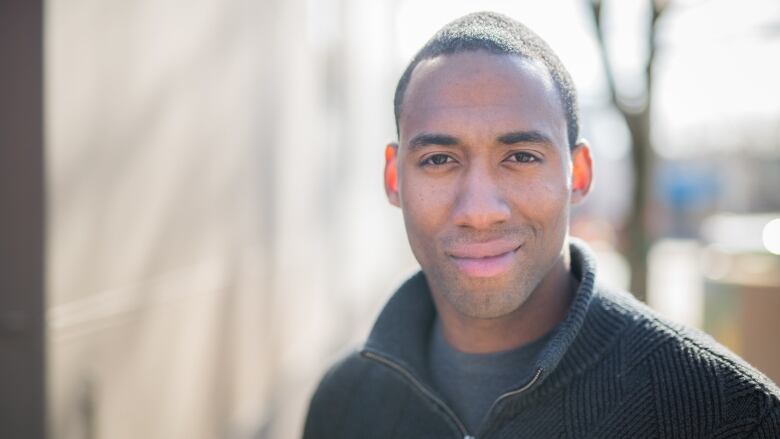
[{"x": 636, "y": 235}]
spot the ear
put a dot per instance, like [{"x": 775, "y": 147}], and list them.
[
  {"x": 582, "y": 171},
  {"x": 391, "y": 174}
]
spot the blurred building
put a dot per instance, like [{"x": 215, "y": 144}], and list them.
[{"x": 213, "y": 191}]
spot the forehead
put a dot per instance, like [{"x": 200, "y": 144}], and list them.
[{"x": 481, "y": 90}]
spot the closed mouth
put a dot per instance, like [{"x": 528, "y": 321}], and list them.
[{"x": 484, "y": 260}]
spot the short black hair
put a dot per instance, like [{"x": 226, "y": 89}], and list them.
[{"x": 501, "y": 35}]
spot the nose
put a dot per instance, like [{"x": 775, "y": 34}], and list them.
[{"x": 480, "y": 204}]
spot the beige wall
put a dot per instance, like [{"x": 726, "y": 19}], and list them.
[{"x": 216, "y": 223}]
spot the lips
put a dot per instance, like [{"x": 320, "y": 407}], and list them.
[{"x": 485, "y": 259}]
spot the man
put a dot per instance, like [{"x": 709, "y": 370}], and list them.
[{"x": 506, "y": 333}]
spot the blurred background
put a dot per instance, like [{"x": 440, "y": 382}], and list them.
[{"x": 193, "y": 222}]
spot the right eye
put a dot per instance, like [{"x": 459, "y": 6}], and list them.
[{"x": 437, "y": 160}]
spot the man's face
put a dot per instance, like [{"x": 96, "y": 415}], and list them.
[{"x": 484, "y": 178}]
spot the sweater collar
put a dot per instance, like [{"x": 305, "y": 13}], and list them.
[{"x": 402, "y": 331}]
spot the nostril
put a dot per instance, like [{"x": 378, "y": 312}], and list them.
[
  {"x": 481, "y": 203},
  {"x": 481, "y": 212}
]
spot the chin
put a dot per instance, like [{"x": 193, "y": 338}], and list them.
[
  {"x": 488, "y": 298},
  {"x": 486, "y": 305}
]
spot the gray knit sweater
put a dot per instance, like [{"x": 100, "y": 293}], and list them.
[{"x": 614, "y": 369}]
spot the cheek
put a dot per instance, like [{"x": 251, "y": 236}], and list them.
[
  {"x": 425, "y": 209},
  {"x": 557, "y": 194},
  {"x": 544, "y": 200},
  {"x": 556, "y": 210}
]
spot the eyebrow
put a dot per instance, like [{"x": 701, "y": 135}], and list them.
[
  {"x": 424, "y": 139},
  {"x": 511, "y": 138},
  {"x": 524, "y": 137}
]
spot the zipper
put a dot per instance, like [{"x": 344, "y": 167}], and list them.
[
  {"x": 515, "y": 392},
  {"x": 417, "y": 384}
]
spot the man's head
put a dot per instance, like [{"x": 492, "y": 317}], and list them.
[
  {"x": 501, "y": 35},
  {"x": 487, "y": 163}
]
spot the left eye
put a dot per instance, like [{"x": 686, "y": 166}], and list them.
[{"x": 523, "y": 157}]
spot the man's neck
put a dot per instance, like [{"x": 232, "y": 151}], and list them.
[{"x": 541, "y": 312}]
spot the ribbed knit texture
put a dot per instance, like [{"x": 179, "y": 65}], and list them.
[{"x": 614, "y": 369}]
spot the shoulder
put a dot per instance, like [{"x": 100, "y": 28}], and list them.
[
  {"x": 331, "y": 398},
  {"x": 651, "y": 335},
  {"x": 354, "y": 391},
  {"x": 690, "y": 374}
]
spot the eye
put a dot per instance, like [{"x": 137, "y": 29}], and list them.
[
  {"x": 437, "y": 160},
  {"x": 523, "y": 157}
]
